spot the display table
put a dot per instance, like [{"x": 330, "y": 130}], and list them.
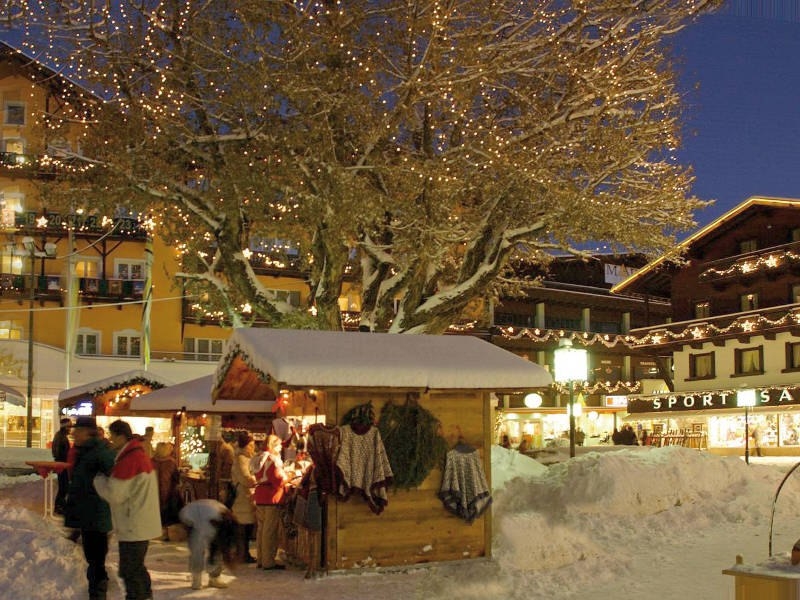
[
  {"x": 776, "y": 579},
  {"x": 45, "y": 469}
]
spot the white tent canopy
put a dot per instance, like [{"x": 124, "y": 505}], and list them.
[
  {"x": 11, "y": 395},
  {"x": 193, "y": 396},
  {"x": 298, "y": 358}
]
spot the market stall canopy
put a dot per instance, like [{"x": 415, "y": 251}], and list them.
[
  {"x": 138, "y": 380},
  {"x": 9, "y": 394},
  {"x": 193, "y": 396},
  {"x": 257, "y": 363}
]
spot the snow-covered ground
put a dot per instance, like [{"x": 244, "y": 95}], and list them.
[{"x": 629, "y": 523}]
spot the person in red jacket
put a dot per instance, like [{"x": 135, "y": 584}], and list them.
[
  {"x": 269, "y": 491},
  {"x": 132, "y": 493}
]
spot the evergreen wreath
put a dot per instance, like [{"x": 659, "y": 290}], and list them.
[
  {"x": 413, "y": 442},
  {"x": 362, "y": 415}
]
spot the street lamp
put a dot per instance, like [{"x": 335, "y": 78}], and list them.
[
  {"x": 49, "y": 252},
  {"x": 570, "y": 365},
  {"x": 746, "y": 398}
]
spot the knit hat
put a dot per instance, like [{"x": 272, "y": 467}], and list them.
[
  {"x": 88, "y": 422},
  {"x": 65, "y": 422},
  {"x": 244, "y": 439}
]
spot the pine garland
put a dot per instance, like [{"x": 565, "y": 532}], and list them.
[{"x": 414, "y": 445}]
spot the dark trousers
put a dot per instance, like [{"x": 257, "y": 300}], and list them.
[
  {"x": 61, "y": 494},
  {"x": 243, "y": 535},
  {"x": 133, "y": 571},
  {"x": 95, "y": 549}
]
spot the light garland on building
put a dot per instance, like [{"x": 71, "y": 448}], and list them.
[{"x": 751, "y": 265}]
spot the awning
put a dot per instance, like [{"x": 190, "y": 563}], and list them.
[
  {"x": 9, "y": 394},
  {"x": 194, "y": 396}
]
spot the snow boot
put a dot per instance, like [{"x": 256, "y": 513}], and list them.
[{"x": 197, "y": 581}]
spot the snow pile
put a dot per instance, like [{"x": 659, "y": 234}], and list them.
[{"x": 602, "y": 525}]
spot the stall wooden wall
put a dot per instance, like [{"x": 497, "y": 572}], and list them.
[{"x": 415, "y": 527}]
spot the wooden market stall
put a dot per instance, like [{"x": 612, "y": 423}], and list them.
[
  {"x": 189, "y": 407},
  {"x": 340, "y": 374}
]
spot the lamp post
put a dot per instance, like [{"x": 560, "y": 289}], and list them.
[
  {"x": 49, "y": 252},
  {"x": 570, "y": 365},
  {"x": 746, "y": 398}
]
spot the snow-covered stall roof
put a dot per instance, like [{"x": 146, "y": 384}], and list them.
[
  {"x": 114, "y": 382},
  {"x": 194, "y": 396},
  {"x": 303, "y": 358}
]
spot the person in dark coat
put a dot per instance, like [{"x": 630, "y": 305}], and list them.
[
  {"x": 84, "y": 509},
  {"x": 60, "y": 449}
]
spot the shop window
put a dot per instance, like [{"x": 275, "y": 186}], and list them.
[
  {"x": 793, "y": 356},
  {"x": 87, "y": 342},
  {"x": 748, "y": 301},
  {"x": 701, "y": 366},
  {"x": 749, "y": 361},
  {"x": 702, "y": 310},
  {"x": 746, "y": 246}
]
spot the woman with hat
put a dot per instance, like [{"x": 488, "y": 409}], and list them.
[{"x": 244, "y": 483}]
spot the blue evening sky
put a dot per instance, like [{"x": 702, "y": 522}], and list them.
[{"x": 741, "y": 81}]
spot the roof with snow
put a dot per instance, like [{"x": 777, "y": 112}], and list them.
[
  {"x": 193, "y": 396},
  {"x": 115, "y": 382},
  {"x": 257, "y": 362}
]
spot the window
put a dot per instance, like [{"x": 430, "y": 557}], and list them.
[
  {"x": 202, "y": 349},
  {"x": 128, "y": 343},
  {"x": 748, "y": 301},
  {"x": 702, "y": 310},
  {"x": 793, "y": 356},
  {"x": 746, "y": 246},
  {"x": 701, "y": 366},
  {"x": 129, "y": 269},
  {"x": 15, "y": 113},
  {"x": 794, "y": 234},
  {"x": 794, "y": 293},
  {"x": 87, "y": 342},
  {"x": 749, "y": 361},
  {"x": 10, "y": 330},
  {"x": 87, "y": 267},
  {"x": 291, "y": 298}
]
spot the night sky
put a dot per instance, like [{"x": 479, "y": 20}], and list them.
[{"x": 741, "y": 76}]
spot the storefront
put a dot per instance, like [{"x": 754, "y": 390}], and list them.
[
  {"x": 367, "y": 381},
  {"x": 714, "y": 420}
]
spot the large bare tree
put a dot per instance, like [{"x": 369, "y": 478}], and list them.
[{"x": 416, "y": 144}]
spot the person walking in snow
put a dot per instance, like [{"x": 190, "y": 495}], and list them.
[
  {"x": 131, "y": 491},
  {"x": 212, "y": 540},
  {"x": 60, "y": 450},
  {"x": 84, "y": 510}
]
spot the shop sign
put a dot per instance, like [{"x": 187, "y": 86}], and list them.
[
  {"x": 81, "y": 409},
  {"x": 773, "y": 397},
  {"x": 615, "y": 401}
]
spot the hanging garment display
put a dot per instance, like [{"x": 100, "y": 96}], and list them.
[
  {"x": 465, "y": 491},
  {"x": 324, "y": 442},
  {"x": 364, "y": 466}
]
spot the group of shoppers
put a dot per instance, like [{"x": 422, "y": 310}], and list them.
[
  {"x": 112, "y": 485},
  {"x": 122, "y": 484}
]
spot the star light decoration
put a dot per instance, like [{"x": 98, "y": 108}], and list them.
[{"x": 750, "y": 265}]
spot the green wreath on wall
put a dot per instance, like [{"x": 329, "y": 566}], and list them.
[{"x": 413, "y": 442}]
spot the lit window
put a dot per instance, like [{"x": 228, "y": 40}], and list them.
[
  {"x": 748, "y": 301},
  {"x": 746, "y": 246},
  {"x": 702, "y": 310},
  {"x": 749, "y": 361},
  {"x": 701, "y": 366}
]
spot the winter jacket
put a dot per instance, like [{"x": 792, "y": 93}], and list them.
[
  {"x": 61, "y": 445},
  {"x": 84, "y": 508},
  {"x": 269, "y": 489},
  {"x": 132, "y": 492},
  {"x": 244, "y": 482},
  {"x": 202, "y": 514}
]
